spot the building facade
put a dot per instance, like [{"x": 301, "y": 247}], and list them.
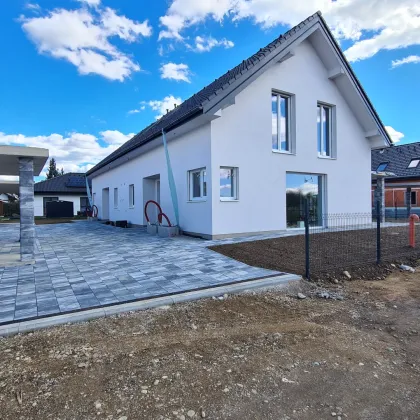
[{"x": 287, "y": 124}]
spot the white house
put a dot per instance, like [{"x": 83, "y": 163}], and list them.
[
  {"x": 68, "y": 187},
  {"x": 288, "y": 122}
]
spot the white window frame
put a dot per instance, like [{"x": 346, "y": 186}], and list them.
[
  {"x": 131, "y": 200},
  {"x": 331, "y": 131},
  {"x": 290, "y": 122},
  {"x": 115, "y": 198},
  {"x": 235, "y": 184},
  {"x": 413, "y": 163},
  {"x": 202, "y": 172}
]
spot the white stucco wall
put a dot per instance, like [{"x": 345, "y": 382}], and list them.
[
  {"x": 188, "y": 152},
  {"x": 38, "y": 202},
  {"x": 242, "y": 138}
]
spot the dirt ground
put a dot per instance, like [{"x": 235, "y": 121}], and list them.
[
  {"x": 265, "y": 355},
  {"x": 330, "y": 253}
]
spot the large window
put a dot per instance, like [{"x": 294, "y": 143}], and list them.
[
  {"x": 299, "y": 188},
  {"x": 280, "y": 122},
  {"x": 228, "y": 183},
  {"x": 115, "y": 198},
  {"x": 47, "y": 200},
  {"x": 325, "y": 132},
  {"x": 197, "y": 184},
  {"x": 131, "y": 195}
]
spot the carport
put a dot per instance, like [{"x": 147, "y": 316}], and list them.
[{"x": 24, "y": 162}]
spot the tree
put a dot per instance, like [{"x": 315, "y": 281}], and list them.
[
  {"x": 52, "y": 169},
  {"x": 62, "y": 171}
]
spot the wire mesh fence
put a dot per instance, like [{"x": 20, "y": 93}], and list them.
[{"x": 346, "y": 241}]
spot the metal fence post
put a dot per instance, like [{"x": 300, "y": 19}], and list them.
[
  {"x": 378, "y": 232},
  {"x": 307, "y": 248}
]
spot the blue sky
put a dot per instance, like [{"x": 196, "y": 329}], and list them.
[{"x": 81, "y": 76}]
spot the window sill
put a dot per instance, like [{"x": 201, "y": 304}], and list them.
[
  {"x": 229, "y": 199},
  {"x": 131, "y": 207},
  {"x": 283, "y": 152},
  {"x": 326, "y": 157},
  {"x": 198, "y": 200}
]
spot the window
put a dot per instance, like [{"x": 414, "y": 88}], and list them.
[
  {"x": 48, "y": 200},
  {"x": 280, "y": 122},
  {"x": 94, "y": 198},
  {"x": 228, "y": 183},
  {"x": 84, "y": 204},
  {"x": 115, "y": 198},
  {"x": 414, "y": 163},
  {"x": 299, "y": 188},
  {"x": 414, "y": 198},
  {"x": 324, "y": 130},
  {"x": 131, "y": 195},
  {"x": 198, "y": 184},
  {"x": 382, "y": 166}
]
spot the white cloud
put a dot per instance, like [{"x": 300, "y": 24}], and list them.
[
  {"x": 204, "y": 44},
  {"x": 162, "y": 106},
  {"x": 179, "y": 72},
  {"x": 93, "y": 3},
  {"x": 395, "y": 135},
  {"x": 33, "y": 6},
  {"x": 137, "y": 110},
  {"x": 74, "y": 152},
  {"x": 373, "y": 25},
  {"x": 407, "y": 60},
  {"x": 82, "y": 37}
]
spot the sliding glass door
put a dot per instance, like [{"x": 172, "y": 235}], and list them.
[{"x": 301, "y": 187}]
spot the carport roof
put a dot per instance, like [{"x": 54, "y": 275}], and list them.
[
  {"x": 9, "y": 158},
  {"x": 9, "y": 187}
]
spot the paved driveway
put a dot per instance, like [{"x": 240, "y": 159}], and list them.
[{"x": 87, "y": 264}]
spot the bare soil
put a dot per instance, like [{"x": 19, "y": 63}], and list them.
[
  {"x": 254, "y": 356},
  {"x": 330, "y": 253}
]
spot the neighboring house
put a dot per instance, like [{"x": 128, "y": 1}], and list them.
[
  {"x": 67, "y": 187},
  {"x": 290, "y": 121},
  {"x": 402, "y": 185}
]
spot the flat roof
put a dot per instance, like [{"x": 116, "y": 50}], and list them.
[
  {"x": 9, "y": 187},
  {"x": 9, "y": 158}
]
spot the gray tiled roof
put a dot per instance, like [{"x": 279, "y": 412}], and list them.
[
  {"x": 59, "y": 185},
  {"x": 193, "y": 106},
  {"x": 398, "y": 159}
]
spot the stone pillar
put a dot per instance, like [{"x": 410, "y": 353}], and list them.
[
  {"x": 26, "y": 199},
  {"x": 380, "y": 195}
]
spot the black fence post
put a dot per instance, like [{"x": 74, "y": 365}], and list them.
[
  {"x": 307, "y": 248},
  {"x": 378, "y": 231}
]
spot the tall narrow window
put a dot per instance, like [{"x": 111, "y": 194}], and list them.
[
  {"x": 324, "y": 130},
  {"x": 228, "y": 183},
  {"x": 131, "y": 195},
  {"x": 115, "y": 198},
  {"x": 198, "y": 184},
  {"x": 280, "y": 122},
  {"x": 413, "y": 198}
]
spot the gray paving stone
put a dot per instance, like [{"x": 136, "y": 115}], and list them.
[{"x": 112, "y": 266}]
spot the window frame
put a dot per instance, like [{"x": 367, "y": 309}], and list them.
[
  {"x": 235, "y": 183},
  {"x": 413, "y": 160},
  {"x": 382, "y": 163},
  {"x": 331, "y": 131},
  {"x": 131, "y": 199},
  {"x": 203, "y": 174},
  {"x": 115, "y": 197},
  {"x": 290, "y": 107}
]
